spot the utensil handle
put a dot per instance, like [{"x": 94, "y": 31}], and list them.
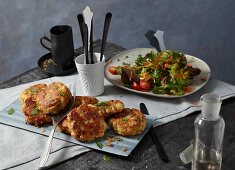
[
  {"x": 153, "y": 40},
  {"x": 105, "y": 33},
  {"x": 81, "y": 21},
  {"x": 47, "y": 149},
  {"x": 85, "y": 32},
  {"x": 157, "y": 143},
  {"x": 88, "y": 15},
  {"x": 91, "y": 43}
]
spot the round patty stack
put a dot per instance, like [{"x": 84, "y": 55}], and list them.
[{"x": 87, "y": 119}]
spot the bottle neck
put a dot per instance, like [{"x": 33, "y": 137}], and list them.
[
  {"x": 210, "y": 118},
  {"x": 211, "y": 105}
]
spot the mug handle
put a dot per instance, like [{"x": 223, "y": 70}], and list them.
[{"x": 47, "y": 39}]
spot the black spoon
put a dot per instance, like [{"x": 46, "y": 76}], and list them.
[
  {"x": 81, "y": 21},
  {"x": 105, "y": 33},
  {"x": 85, "y": 33}
]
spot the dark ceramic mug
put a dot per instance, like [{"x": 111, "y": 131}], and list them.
[{"x": 62, "y": 47}]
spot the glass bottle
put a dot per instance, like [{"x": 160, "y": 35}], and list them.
[{"x": 208, "y": 137}]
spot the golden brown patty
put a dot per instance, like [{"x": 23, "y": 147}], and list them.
[
  {"x": 129, "y": 122},
  {"x": 111, "y": 107},
  {"x": 63, "y": 125},
  {"x": 33, "y": 115},
  {"x": 85, "y": 123},
  {"x": 32, "y": 92},
  {"x": 54, "y": 98},
  {"x": 29, "y": 106},
  {"x": 84, "y": 100}
]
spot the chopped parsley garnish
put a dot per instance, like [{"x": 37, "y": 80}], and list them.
[
  {"x": 62, "y": 93},
  {"x": 106, "y": 158},
  {"x": 118, "y": 139},
  {"x": 33, "y": 90},
  {"x": 127, "y": 57},
  {"x": 99, "y": 144},
  {"x": 34, "y": 111},
  {"x": 125, "y": 119},
  {"x": 11, "y": 111},
  {"x": 101, "y": 103}
]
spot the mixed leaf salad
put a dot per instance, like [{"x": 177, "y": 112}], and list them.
[{"x": 166, "y": 73}]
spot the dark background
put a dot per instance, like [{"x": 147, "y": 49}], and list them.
[{"x": 201, "y": 28}]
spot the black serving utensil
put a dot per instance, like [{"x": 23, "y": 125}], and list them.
[
  {"x": 85, "y": 32},
  {"x": 158, "y": 145},
  {"x": 91, "y": 43},
  {"x": 81, "y": 21},
  {"x": 153, "y": 40},
  {"x": 105, "y": 33}
]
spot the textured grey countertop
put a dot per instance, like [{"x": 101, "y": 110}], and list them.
[{"x": 174, "y": 136}]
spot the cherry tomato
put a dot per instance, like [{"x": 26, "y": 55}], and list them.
[
  {"x": 145, "y": 85},
  {"x": 112, "y": 70},
  {"x": 136, "y": 86}
]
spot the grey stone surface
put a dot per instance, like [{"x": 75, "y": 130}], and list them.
[{"x": 201, "y": 28}]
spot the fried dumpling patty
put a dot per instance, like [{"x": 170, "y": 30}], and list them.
[
  {"x": 129, "y": 122},
  {"x": 54, "y": 98},
  {"x": 32, "y": 92},
  {"x": 109, "y": 108},
  {"x": 33, "y": 115},
  {"x": 63, "y": 125},
  {"x": 84, "y": 100},
  {"x": 85, "y": 123},
  {"x": 29, "y": 106}
]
